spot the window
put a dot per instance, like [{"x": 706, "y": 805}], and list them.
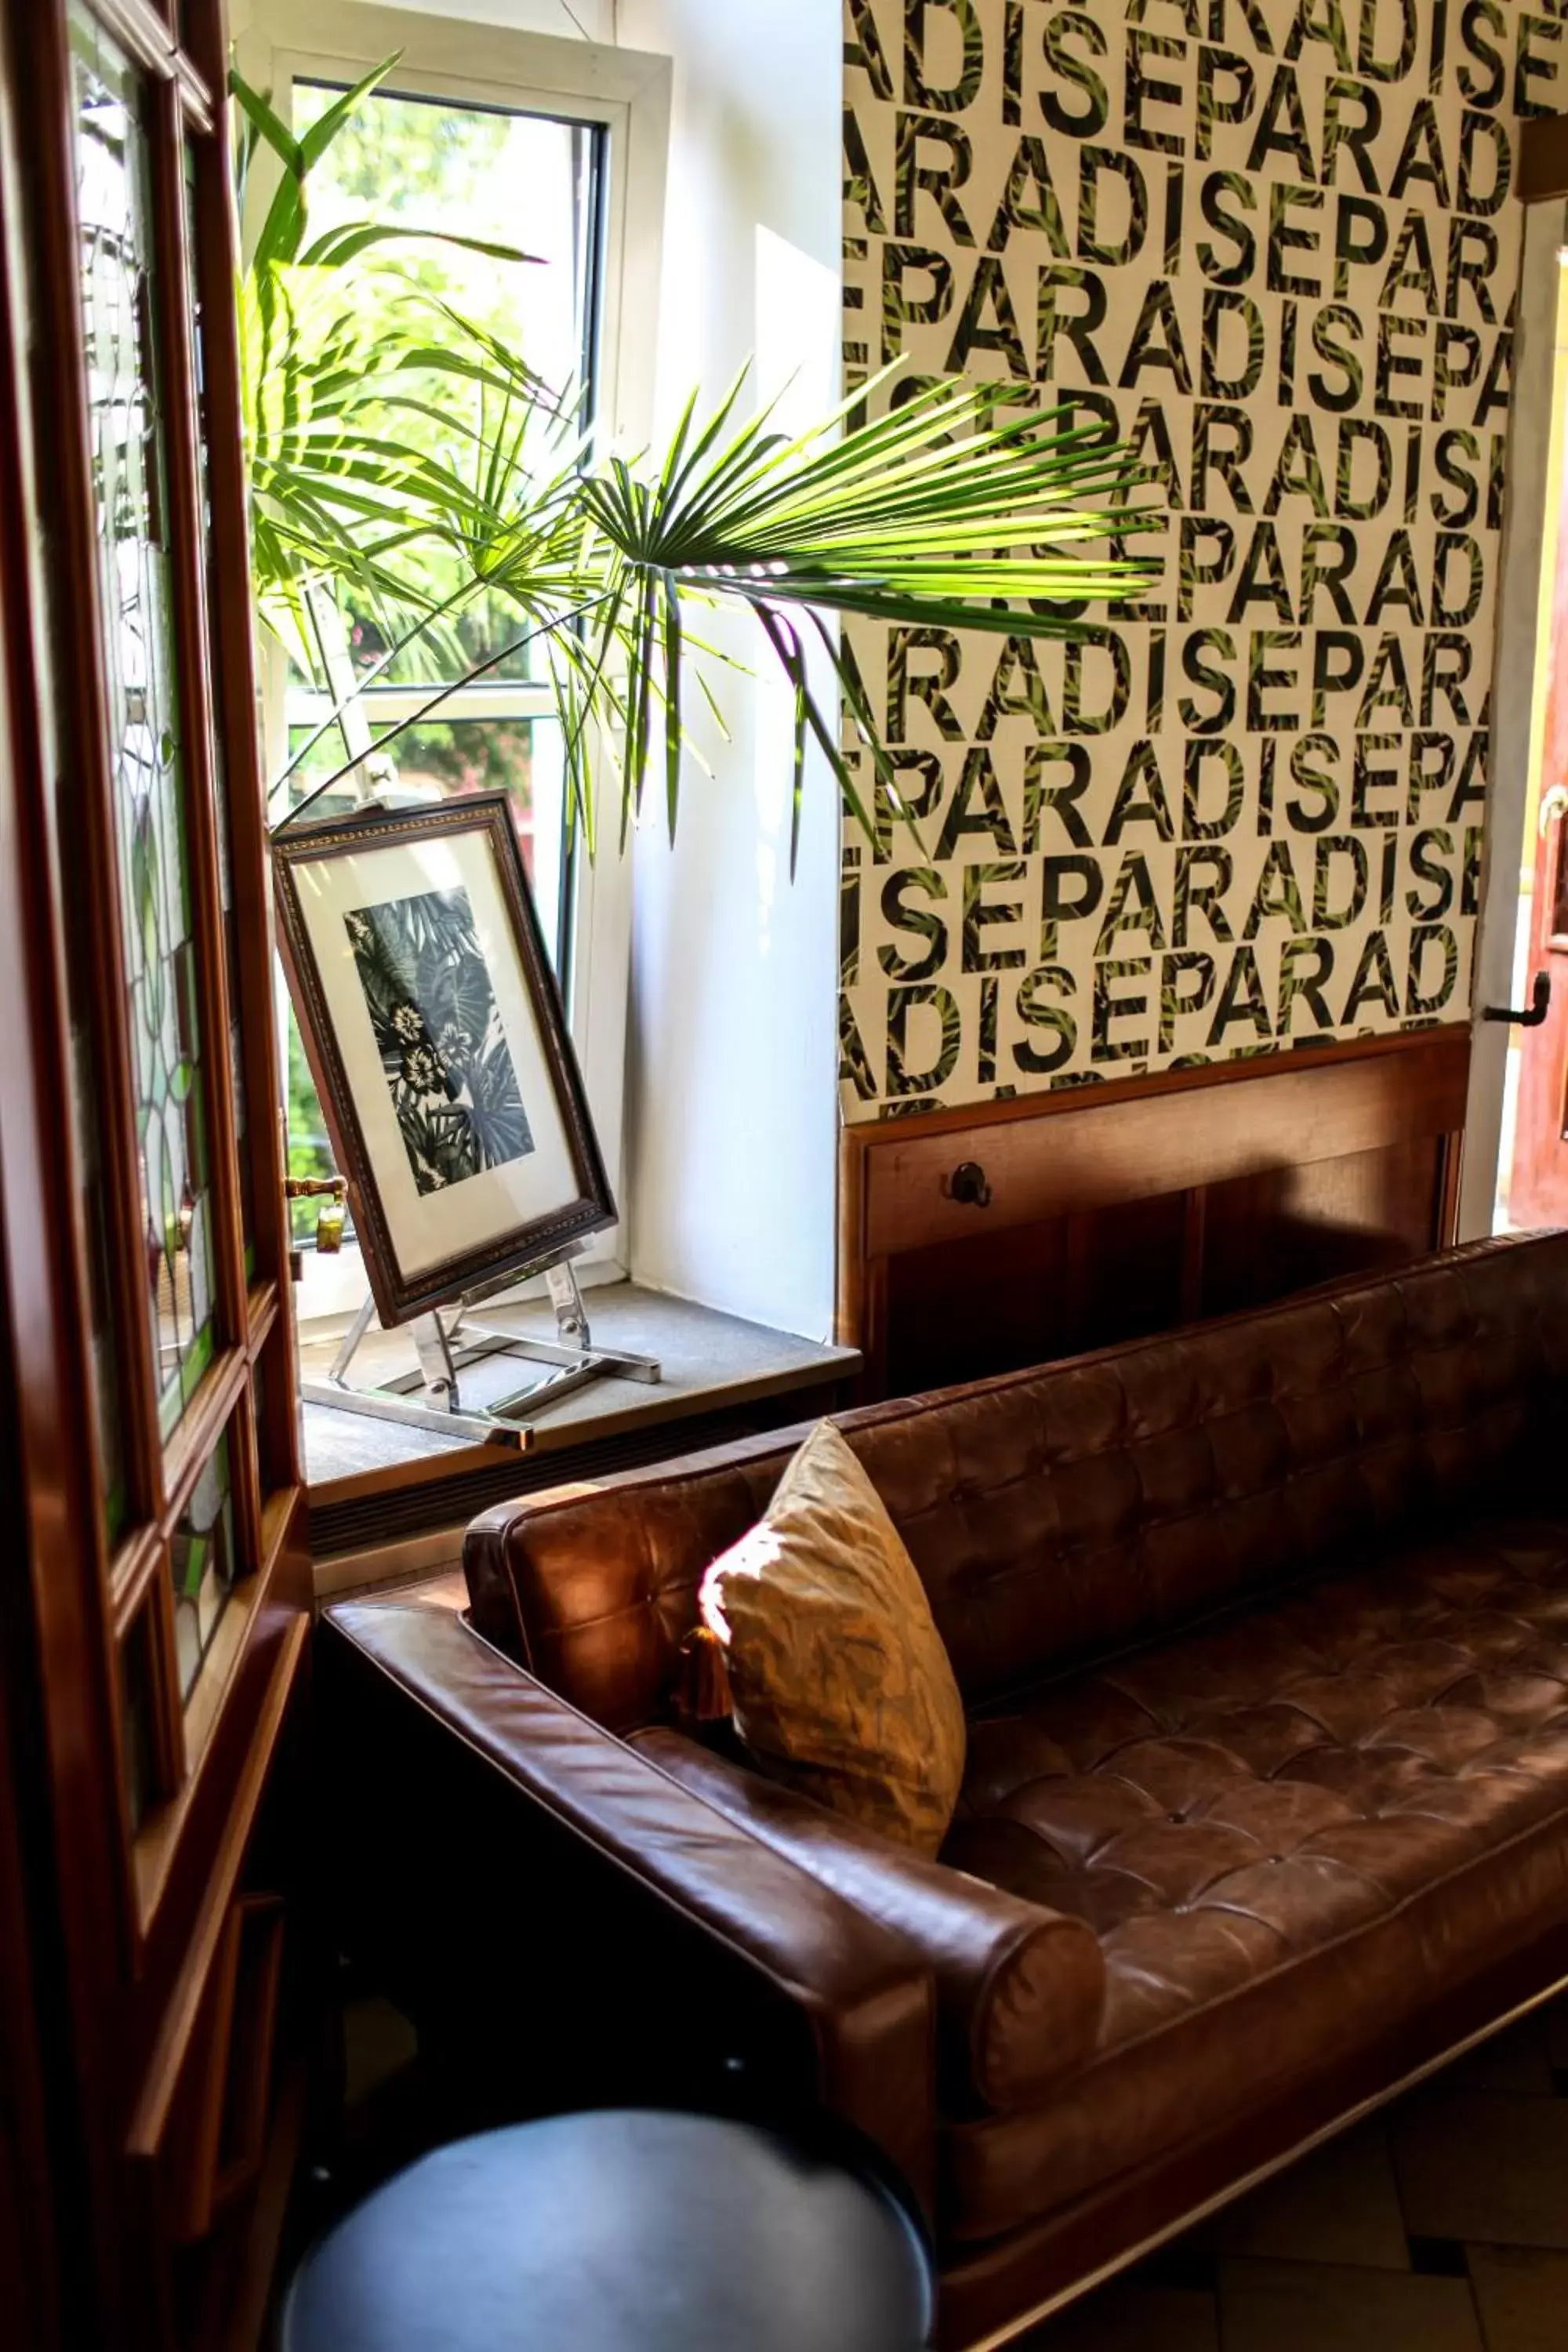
[
  {"x": 546, "y": 169},
  {"x": 509, "y": 178}
]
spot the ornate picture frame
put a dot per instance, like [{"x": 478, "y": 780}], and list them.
[{"x": 438, "y": 1040}]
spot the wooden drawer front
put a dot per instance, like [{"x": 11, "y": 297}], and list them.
[
  {"x": 1066, "y": 1156},
  {"x": 1020, "y": 1232}
]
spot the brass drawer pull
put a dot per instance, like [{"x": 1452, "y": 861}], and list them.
[{"x": 968, "y": 1183}]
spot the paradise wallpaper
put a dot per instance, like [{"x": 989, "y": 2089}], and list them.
[{"x": 1272, "y": 245}]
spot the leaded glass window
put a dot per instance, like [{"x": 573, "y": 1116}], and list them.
[
  {"x": 133, "y": 766},
  {"x": 202, "y": 1561},
  {"x": 130, "y": 478},
  {"x": 87, "y": 1123},
  {"x": 137, "y": 1721}
]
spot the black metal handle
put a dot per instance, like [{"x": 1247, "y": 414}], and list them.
[
  {"x": 1540, "y": 998},
  {"x": 967, "y": 1183}
]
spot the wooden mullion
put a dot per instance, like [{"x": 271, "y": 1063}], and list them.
[
  {"x": 146, "y": 1597},
  {"x": 171, "y": 284},
  {"x": 170, "y": 1713},
  {"x": 155, "y": 1612},
  {"x": 270, "y": 1610},
  {"x": 277, "y": 1529},
  {"x": 195, "y": 98},
  {"x": 278, "y": 1434},
  {"x": 148, "y": 37},
  {"x": 218, "y": 257},
  {"x": 84, "y": 696},
  {"x": 205, "y": 1419},
  {"x": 272, "y": 1360},
  {"x": 132, "y": 1569},
  {"x": 263, "y": 1316},
  {"x": 245, "y": 1482}
]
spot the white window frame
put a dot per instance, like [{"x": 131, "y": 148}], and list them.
[{"x": 280, "y": 42}]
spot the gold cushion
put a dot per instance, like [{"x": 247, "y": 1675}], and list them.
[{"x": 841, "y": 1684}]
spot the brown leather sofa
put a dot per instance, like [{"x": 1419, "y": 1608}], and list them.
[{"x": 1263, "y": 1633}]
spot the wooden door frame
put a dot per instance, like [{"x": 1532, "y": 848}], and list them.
[
  {"x": 50, "y": 1620},
  {"x": 108, "y": 1940},
  {"x": 1523, "y": 608},
  {"x": 1537, "y": 1174}
]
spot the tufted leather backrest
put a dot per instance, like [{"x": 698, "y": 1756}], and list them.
[{"x": 1060, "y": 1512}]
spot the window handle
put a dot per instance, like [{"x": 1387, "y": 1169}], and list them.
[{"x": 1540, "y": 999}]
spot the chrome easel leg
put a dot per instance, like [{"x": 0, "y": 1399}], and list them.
[
  {"x": 351, "y": 1338},
  {"x": 395, "y": 1401},
  {"x": 438, "y": 1373},
  {"x": 447, "y": 1347},
  {"x": 378, "y": 1405},
  {"x": 572, "y": 1351}
]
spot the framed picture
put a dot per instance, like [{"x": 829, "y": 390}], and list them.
[{"x": 435, "y": 1033}]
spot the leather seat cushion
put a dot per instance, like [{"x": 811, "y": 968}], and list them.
[
  {"x": 1288, "y": 1830},
  {"x": 1058, "y": 1512}
]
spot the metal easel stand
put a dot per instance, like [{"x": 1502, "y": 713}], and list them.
[{"x": 448, "y": 1343}]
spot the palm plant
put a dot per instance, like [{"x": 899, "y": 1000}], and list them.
[{"x": 405, "y": 462}]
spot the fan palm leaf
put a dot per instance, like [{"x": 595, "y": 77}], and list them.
[{"x": 407, "y": 461}]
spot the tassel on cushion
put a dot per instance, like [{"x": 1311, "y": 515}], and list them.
[{"x": 705, "y": 1695}]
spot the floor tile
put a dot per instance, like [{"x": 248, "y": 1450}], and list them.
[
  {"x": 1522, "y": 2296},
  {"x": 1313, "y": 2307},
  {"x": 1133, "y": 2319},
  {"x": 1483, "y": 2167},
  {"x": 1438, "y": 2257},
  {"x": 1340, "y": 2204},
  {"x": 1520, "y": 2060},
  {"x": 1184, "y": 2262}
]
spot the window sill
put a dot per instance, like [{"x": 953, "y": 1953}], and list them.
[{"x": 378, "y": 1489}]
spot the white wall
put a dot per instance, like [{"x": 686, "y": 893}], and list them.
[
  {"x": 728, "y": 1187},
  {"x": 731, "y": 1112}
]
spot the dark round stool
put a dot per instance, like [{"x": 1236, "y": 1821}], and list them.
[{"x": 618, "y": 2232}]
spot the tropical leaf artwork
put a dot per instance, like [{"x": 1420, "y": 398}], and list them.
[{"x": 438, "y": 1028}]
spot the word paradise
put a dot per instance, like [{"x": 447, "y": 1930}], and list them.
[{"x": 1269, "y": 246}]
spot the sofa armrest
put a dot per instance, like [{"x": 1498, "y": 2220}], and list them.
[
  {"x": 687, "y": 1922},
  {"x": 1020, "y": 1989}
]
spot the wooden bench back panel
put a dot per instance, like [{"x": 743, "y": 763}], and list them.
[{"x": 1116, "y": 1213}]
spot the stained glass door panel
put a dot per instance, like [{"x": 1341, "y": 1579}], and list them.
[
  {"x": 158, "y": 1569},
  {"x": 204, "y": 1563},
  {"x": 130, "y": 480}
]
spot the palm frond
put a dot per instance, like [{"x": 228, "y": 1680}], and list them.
[
  {"x": 929, "y": 515},
  {"x": 406, "y": 460}
]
